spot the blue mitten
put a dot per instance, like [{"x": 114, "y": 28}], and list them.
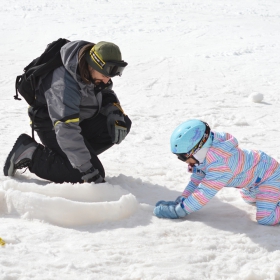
[
  {"x": 169, "y": 211},
  {"x": 179, "y": 199},
  {"x": 163, "y": 202},
  {"x": 180, "y": 210},
  {"x": 166, "y": 211}
]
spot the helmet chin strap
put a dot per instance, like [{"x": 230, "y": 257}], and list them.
[{"x": 193, "y": 164}]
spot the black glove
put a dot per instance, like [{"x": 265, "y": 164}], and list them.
[
  {"x": 108, "y": 96},
  {"x": 92, "y": 175},
  {"x": 115, "y": 122}
]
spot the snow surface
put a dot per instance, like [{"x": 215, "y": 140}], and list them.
[{"x": 187, "y": 59}]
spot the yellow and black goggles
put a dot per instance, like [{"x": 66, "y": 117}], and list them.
[
  {"x": 107, "y": 68},
  {"x": 113, "y": 68}
]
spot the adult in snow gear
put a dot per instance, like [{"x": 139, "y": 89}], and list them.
[
  {"x": 71, "y": 115},
  {"x": 21, "y": 154}
]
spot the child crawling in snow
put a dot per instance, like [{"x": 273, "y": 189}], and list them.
[{"x": 216, "y": 161}]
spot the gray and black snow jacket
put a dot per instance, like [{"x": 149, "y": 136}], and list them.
[{"x": 67, "y": 101}]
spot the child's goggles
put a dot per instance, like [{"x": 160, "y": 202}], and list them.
[{"x": 182, "y": 157}]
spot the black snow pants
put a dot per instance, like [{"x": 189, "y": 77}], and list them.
[{"x": 51, "y": 163}]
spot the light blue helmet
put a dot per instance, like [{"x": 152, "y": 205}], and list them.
[{"x": 189, "y": 137}]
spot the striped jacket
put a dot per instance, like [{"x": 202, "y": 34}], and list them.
[{"x": 227, "y": 165}]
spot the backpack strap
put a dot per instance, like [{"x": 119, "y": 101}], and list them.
[
  {"x": 18, "y": 79},
  {"x": 33, "y": 120}
]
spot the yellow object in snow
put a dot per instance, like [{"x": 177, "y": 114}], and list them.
[{"x": 2, "y": 242}]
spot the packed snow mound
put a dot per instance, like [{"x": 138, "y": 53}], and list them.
[{"x": 66, "y": 204}]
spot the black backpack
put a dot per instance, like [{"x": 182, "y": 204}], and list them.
[{"x": 49, "y": 60}]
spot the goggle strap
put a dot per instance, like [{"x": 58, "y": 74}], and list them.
[
  {"x": 202, "y": 141},
  {"x": 94, "y": 56}
]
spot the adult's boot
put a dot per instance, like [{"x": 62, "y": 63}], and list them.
[{"x": 21, "y": 154}]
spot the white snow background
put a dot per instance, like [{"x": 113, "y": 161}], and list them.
[{"x": 216, "y": 60}]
